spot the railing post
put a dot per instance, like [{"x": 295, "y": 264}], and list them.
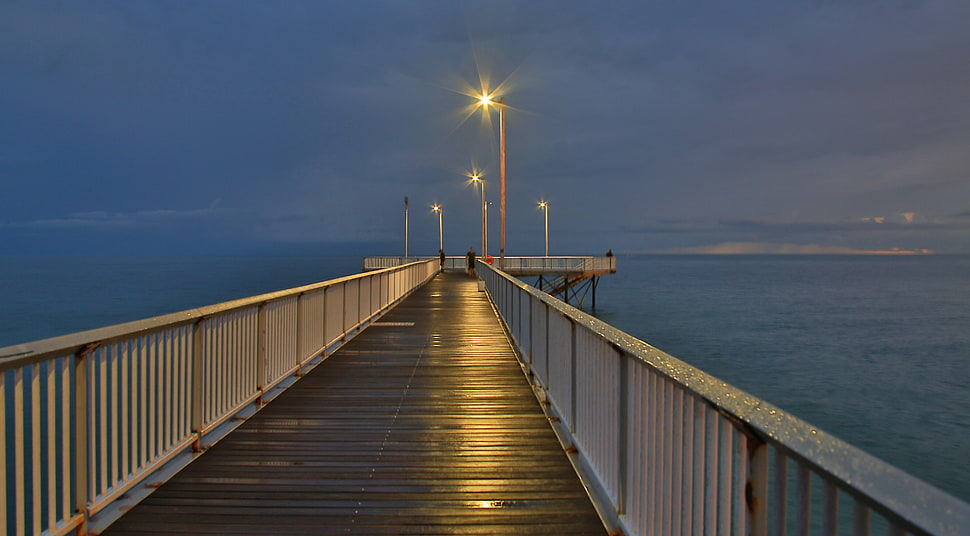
[
  {"x": 574, "y": 381},
  {"x": 261, "y": 353},
  {"x": 196, "y": 409},
  {"x": 300, "y": 350},
  {"x": 545, "y": 374},
  {"x": 622, "y": 432},
  {"x": 82, "y": 424},
  {"x": 757, "y": 491}
]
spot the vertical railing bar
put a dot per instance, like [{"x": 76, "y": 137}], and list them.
[
  {"x": 196, "y": 399},
  {"x": 300, "y": 344},
  {"x": 803, "y": 496},
  {"x": 573, "y": 376},
  {"x": 830, "y": 517},
  {"x": 545, "y": 375},
  {"x": 678, "y": 460},
  {"x": 230, "y": 349},
  {"x": 165, "y": 408},
  {"x": 53, "y": 370},
  {"x": 114, "y": 417},
  {"x": 666, "y": 445},
  {"x": 35, "y": 457},
  {"x": 152, "y": 397},
  {"x": 343, "y": 314},
  {"x": 3, "y": 450},
  {"x": 102, "y": 436},
  {"x": 82, "y": 431},
  {"x": 172, "y": 359},
  {"x": 687, "y": 490},
  {"x": 740, "y": 482},
  {"x": 623, "y": 401},
  {"x": 185, "y": 378},
  {"x": 860, "y": 518},
  {"x": 637, "y": 448},
  {"x": 64, "y": 445},
  {"x": 656, "y": 462},
  {"x": 779, "y": 506},
  {"x": 217, "y": 373},
  {"x": 712, "y": 472},
  {"x": 700, "y": 459},
  {"x": 725, "y": 473},
  {"x": 758, "y": 510},
  {"x": 125, "y": 429},
  {"x": 143, "y": 402},
  {"x": 261, "y": 336}
]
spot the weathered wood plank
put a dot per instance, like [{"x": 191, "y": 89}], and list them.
[{"x": 423, "y": 424}]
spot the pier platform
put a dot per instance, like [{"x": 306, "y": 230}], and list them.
[{"x": 422, "y": 424}]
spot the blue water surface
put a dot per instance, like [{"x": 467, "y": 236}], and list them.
[{"x": 873, "y": 349}]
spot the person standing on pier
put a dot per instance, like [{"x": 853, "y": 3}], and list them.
[
  {"x": 441, "y": 260},
  {"x": 470, "y": 257}
]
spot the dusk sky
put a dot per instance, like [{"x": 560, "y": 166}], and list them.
[{"x": 249, "y": 127}]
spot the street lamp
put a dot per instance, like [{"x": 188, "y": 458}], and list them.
[
  {"x": 441, "y": 244},
  {"x": 477, "y": 178},
  {"x": 485, "y": 101},
  {"x": 544, "y": 205}
]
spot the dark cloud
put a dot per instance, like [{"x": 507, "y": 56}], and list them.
[{"x": 642, "y": 124}]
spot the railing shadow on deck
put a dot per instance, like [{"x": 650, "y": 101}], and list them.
[
  {"x": 90, "y": 421},
  {"x": 665, "y": 448}
]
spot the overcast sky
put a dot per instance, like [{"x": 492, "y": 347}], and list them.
[{"x": 286, "y": 126}]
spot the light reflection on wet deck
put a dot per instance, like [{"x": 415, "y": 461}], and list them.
[{"x": 423, "y": 424}]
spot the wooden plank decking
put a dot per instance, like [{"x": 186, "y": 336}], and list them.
[{"x": 423, "y": 424}]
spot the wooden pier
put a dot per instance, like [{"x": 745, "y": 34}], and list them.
[{"x": 423, "y": 424}]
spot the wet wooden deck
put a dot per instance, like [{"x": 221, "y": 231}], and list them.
[{"x": 423, "y": 424}]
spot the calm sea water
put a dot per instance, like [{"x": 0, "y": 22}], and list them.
[{"x": 875, "y": 350}]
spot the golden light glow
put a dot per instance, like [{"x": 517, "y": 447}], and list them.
[
  {"x": 436, "y": 208},
  {"x": 543, "y": 204}
]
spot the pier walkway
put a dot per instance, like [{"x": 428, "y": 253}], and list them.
[{"x": 422, "y": 424}]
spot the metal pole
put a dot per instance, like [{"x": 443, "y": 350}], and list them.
[
  {"x": 441, "y": 236},
  {"x": 546, "y": 210},
  {"x": 501, "y": 122},
  {"x": 484, "y": 225},
  {"x": 405, "y": 226},
  {"x": 486, "y": 228}
]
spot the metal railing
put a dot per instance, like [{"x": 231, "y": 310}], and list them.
[
  {"x": 89, "y": 421},
  {"x": 379, "y": 263},
  {"x": 667, "y": 449},
  {"x": 537, "y": 265},
  {"x": 560, "y": 265}
]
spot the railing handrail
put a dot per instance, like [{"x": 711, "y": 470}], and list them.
[
  {"x": 550, "y": 264},
  {"x": 893, "y": 493},
  {"x": 28, "y": 353},
  {"x": 87, "y": 418}
]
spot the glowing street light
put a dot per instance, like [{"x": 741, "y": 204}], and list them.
[
  {"x": 544, "y": 205},
  {"x": 488, "y": 100},
  {"x": 441, "y": 243},
  {"x": 477, "y": 179}
]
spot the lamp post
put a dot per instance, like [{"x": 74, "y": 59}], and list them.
[
  {"x": 441, "y": 244},
  {"x": 477, "y": 178},
  {"x": 405, "y": 226},
  {"x": 544, "y": 205},
  {"x": 485, "y": 101}
]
